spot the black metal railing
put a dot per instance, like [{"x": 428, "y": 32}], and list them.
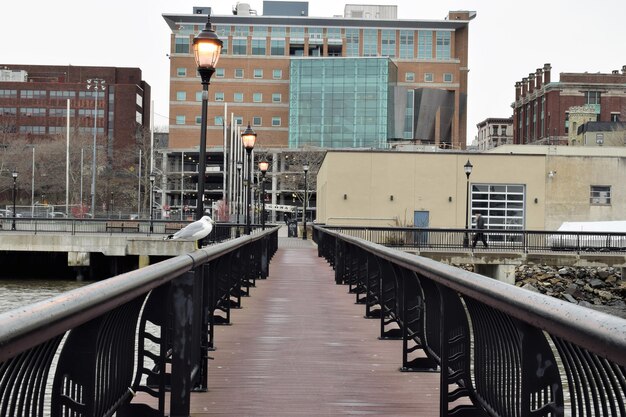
[
  {"x": 500, "y": 350},
  {"x": 222, "y": 230},
  {"x": 498, "y": 240},
  {"x": 168, "y": 310}
]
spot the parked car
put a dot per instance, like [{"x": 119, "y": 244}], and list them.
[
  {"x": 8, "y": 213},
  {"x": 57, "y": 215}
]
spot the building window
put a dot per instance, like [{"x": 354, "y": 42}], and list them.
[
  {"x": 277, "y": 74},
  {"x": 33, "y": 94},
  {"x": 388, "y": 43},
  {"x": 219, "y": 96},
  {"x": 238, "y": 72},
  {"x": 8, "y": 93},
  {"x": 615, "y": 117},
  {"x": 256, "y": 121},
  {"x": 225, "y": 46},
  {"x": 257, "y": 97},
  {"x": 370, "y": 42},
  {"x": 238, "y": 120},
  {"x": 352, "y": 42},
  {"x": 566, "y": 122},
  {"x": 198, "y": 120},
  {"x": 239, "y": 46},
  {"x": 241, "y": 31},
  {"x": 592, "y": 97},
  {"x": 222, "y": 30},
  {"x": 258, "y": 46},
  {"x": 409, "y": 77},
  {"x": 181, "y": 96},
  {"x": 258, "y": 73},
  {"x": 277, "y": 47},
  {"x": 278, "y": 32},
  {"x": 259, "y": 31},
  {"x": 447, "y": 77},
  {"x": 181, "y": 72},
  {"x": 219, "y": 72},
  {"x": 407, "y": 44},
  {"x": 180, "y": 120},
  {"x": 600, "y": 195},
  {"x": 443, "y": 45},
  {"x": 238, "y": 97},
  {"x": 429, "y": 77},
  {"x": 198, "y": 95},
  {"x": 218, "y": 121},
  {"x": 181, "y": 45},
  {"x": 424, "y": 44},
  {"x": 276, "y": 98},
  {"x": 275, "y": 121}
]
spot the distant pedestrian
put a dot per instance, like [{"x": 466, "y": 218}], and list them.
[{"x": 480, "y": 226}]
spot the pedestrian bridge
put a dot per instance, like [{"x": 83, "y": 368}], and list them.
[{"x": 315, "y": 329}]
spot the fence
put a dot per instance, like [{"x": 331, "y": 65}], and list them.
[
  {"x": 174, "y": 305},
  {"x": 500, "y": 350}
]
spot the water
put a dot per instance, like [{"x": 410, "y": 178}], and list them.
[{"x": 20, "y": 292}]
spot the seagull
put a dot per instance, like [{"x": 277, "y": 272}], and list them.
[{"x": 195, "y": 231}]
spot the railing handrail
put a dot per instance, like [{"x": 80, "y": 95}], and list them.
[
  {"x": 31, "y": 325},
  {"x": 597, "y": 332}
]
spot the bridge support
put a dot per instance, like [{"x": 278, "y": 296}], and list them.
[{"x": 504, "y": 273}]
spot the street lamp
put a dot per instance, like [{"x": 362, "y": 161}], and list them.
[
  {"x": 96, "y": 84},
  {"x": 206, "y": 49},
  {"x": 263, "y": 166},
  {"x": 248, "y": 137},
  {"x": 238, "y": 192},
  {"x": 468, "y": 171},
  {"x": 14, "y": 175},
  {"x": 152, "y": 178},
  {"x": 305, "y": 167}
]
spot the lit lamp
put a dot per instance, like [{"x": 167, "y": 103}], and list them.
[
  {"x": 248, "y": 137},
  {"x": 206, "y": 49},
  {"x": 239, "y": 166},
  {"x": 14, "y": 175},
  {"x": 468, "y": 171},
  {"x": 263, "y": 166},
  {"x": 152, "y": 178},
  {"x": 305, "y": 167}
]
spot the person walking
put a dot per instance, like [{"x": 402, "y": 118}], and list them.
[{"x": 480, "y": 226}]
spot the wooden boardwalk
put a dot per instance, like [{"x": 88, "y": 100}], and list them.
[{"x": 301, "y": 347}]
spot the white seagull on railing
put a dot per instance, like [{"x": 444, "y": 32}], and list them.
[{"x": 195, "y": 231}]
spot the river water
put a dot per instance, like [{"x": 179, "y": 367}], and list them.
[{"x": 20, "y": 292}]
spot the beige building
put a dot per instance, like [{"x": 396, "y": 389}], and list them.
[{"x": 515, "y": 187}]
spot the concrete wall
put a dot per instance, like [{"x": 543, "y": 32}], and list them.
[{"x": 558, "y": 184}]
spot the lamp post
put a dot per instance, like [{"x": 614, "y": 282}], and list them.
[
  {"x": 305, "y": 167},
  {"x": 14, "y": 175},
  {"x": 248, "y": 137},
  {"x": 206, "y": 49},
  {"x": 468, "y": 171},
  {"x": 263, "y": 166},
  {"x": 97, "y": 84},
  {"x": 238, "y": 192},
  {"x": 152, "y": 178}
]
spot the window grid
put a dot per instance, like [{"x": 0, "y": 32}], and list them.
[
  {"x": 600, "y": 195},
  {"x": 424, "y": 44},
  {"x": 443, "y": 45},
  {"x": 502, "y": 205}
]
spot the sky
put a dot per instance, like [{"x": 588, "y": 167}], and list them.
[{"x": 508, "y": 40}]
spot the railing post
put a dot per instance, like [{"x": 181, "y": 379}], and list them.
[{"x": 182, "y": 363}]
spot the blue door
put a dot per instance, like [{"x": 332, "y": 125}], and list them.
[{"x": 420, "y": 219}]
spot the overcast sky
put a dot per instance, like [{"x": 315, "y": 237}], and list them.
[{"x": 508, "y": 40}]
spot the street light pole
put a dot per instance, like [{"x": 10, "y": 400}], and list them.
[
  {"x": 14, "y": 174},
  {"x": 305, "y": 167},
  {"x": 248, "y": 137},
  {"x": 238, "y": 192},
  {"x": 206, "y": 48},
  {"x": 152, "y": 178},
  {"x": 96, "y": 84},
  {"x": 263, "y": 166},
  {"x": 468, "y": 171}
]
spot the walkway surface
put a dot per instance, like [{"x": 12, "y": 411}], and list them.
[{"x": 299, "y": 346}]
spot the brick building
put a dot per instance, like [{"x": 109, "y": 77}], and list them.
[
  {"x": 541, "y": 111},
  {"x": 493, "y": 132},
  {"x": 33, "y": 102}
]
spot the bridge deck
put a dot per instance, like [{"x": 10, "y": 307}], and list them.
[{"x": 301, "y": 347}]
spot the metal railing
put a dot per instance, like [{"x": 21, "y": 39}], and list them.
[
  {"x": 221, "y": 231},
  {"x": 168, "y": 310},
  {"x": 500, "y": 350},
  {"x": 498, "y": 240}
]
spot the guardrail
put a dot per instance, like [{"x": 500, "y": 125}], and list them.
[
  {"x": 500, "y": 350},
  {"x": 174, "y": 305},
  {"x": 499, "y": 240},
  {"x": 222, "y": 230}
]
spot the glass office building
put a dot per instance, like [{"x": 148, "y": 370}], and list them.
[{"x": 341, "y": 102}]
